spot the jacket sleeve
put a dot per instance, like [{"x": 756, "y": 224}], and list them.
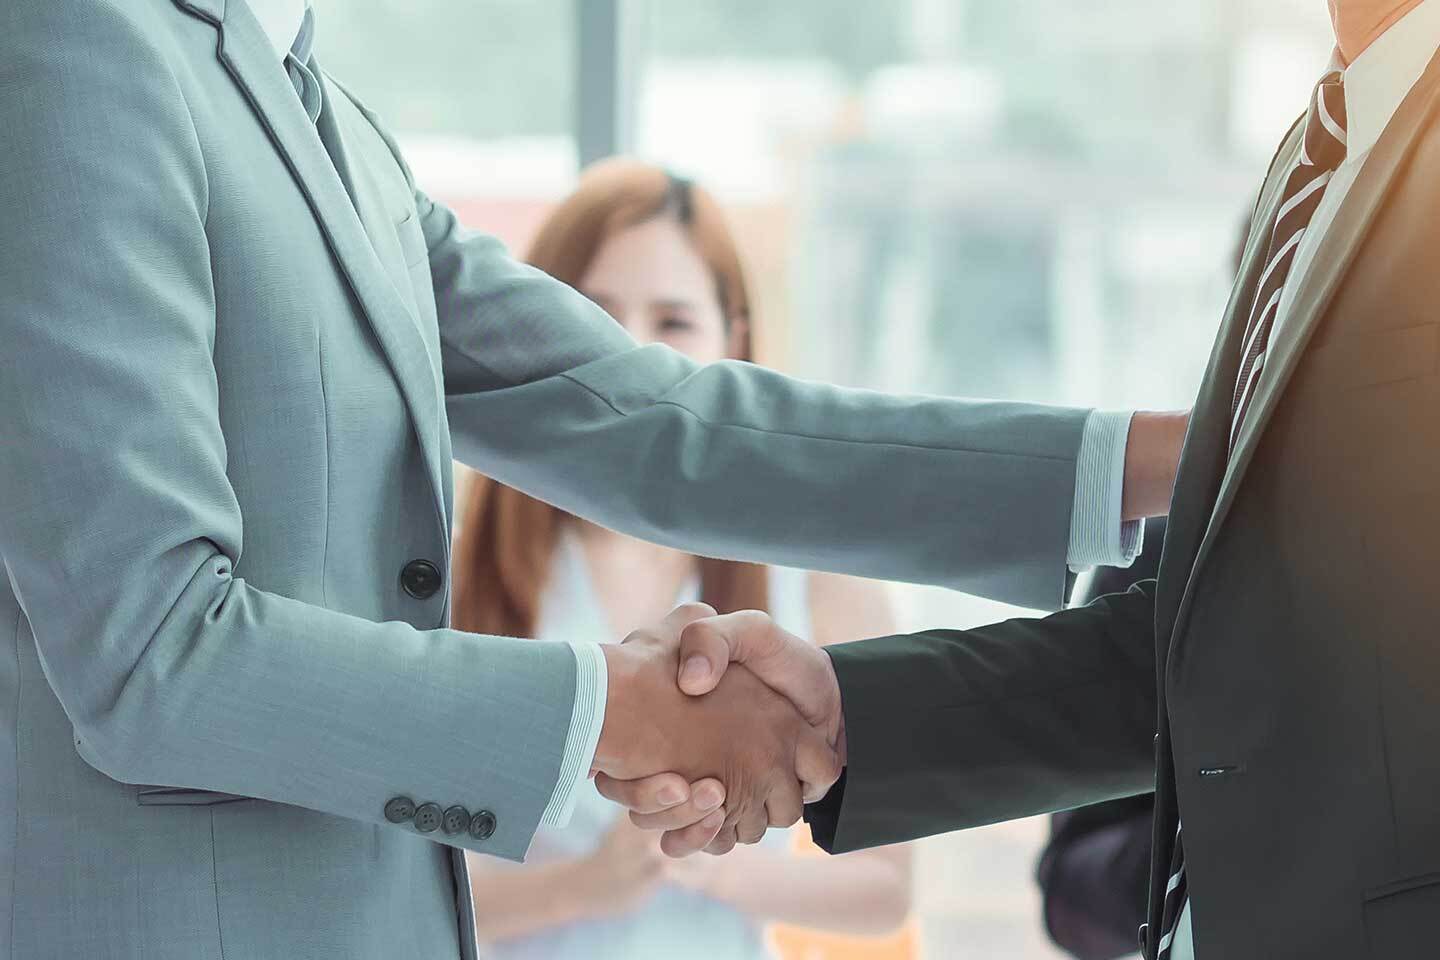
[
  {"x": 548, "y": 394},
  {"x": 954, "y": 729},
  {"x": 120, "y": 532}
]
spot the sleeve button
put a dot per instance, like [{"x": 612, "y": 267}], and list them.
[
  {"x": 400, "y": 809},
  {"x": 457, "y": 820},
  {"x": 482, "y": 825},
  {"x": 428, "y": 817}
]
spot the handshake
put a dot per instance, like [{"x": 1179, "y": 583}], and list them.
[{"x": 714, "y": 754}]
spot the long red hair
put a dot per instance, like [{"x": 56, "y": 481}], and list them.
[{"x": 507, "y": 540}]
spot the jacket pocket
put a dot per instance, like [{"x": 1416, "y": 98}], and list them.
[
  {"x": 1400, "y": 917},
  {"x": 182, "y": 797}
]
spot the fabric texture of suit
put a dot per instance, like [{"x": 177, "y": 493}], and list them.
[
  {"x": 1297, "y": 707},
  {"x": 232, "y": 372}
]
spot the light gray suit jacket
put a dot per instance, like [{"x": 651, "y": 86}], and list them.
[{"x": 229, "y": 396}]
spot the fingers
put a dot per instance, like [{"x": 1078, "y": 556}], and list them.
[
  {"x": 684, "y": 615},
  {"x": 723, "y": 843},
  {"x": 694, "y": 838},
  {"x": 668, "y": 630},
  {"x": 784, "y": 806},
  {"x": 708, "y": 646},
  {"x": 648, "y": 796},
  {"x": 705, "y": 797},
  {"x": 817, "y": 765},
  {"x": 752, "y": 824}
]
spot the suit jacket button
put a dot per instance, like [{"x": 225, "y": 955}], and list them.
[
  {"x": 457, "y": 820},
  {"x": 400, "y": 810},
  {"x": 1144, "y": 934},
  {"x": 421, "y": 579},
  {"x": 428, "y": 817},
  {"x": 482, "y": 825}
]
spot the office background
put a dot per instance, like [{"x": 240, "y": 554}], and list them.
[{"x": 1031, "y": 198}]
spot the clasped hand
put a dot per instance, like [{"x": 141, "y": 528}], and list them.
[{"x": 718, "y": 727}]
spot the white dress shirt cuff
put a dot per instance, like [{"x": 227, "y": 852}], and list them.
[
  {"x": 587, "y": 718},
  {"x": 1098, "y": 537}
]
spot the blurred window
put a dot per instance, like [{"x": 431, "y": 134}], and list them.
[{"x": 478, "y": 92}]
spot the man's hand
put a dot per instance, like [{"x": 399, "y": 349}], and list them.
[
  {"x": 743, "y": 733},
  {"x": 798, "y": 671},
  {"x": 788, "y": 665}
]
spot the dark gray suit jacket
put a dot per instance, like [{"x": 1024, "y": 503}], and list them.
[{"x": 1298, "y": 710}]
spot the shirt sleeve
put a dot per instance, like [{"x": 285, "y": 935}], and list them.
[
  {"x": 586, "y": 720},
  {"x": 1098, "y": 537}
]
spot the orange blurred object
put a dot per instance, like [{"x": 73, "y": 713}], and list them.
[
  {"x": 800, "y": 943},
  {"x": 793, "y": 943}
]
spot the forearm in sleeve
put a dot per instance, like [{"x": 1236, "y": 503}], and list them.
[
  {"x": 546, "y": 393},
  {"x": 954, "y": 729}
]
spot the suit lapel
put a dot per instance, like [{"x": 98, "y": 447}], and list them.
[
  {"x": 250, "y": 59},
  {"x": 1202, "y": 461},
  {"x": 365, "y": 191},
  {"x": 1333, "y": 258}
]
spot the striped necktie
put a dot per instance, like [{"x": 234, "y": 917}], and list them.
[
  {"x": 1175, "y": 897},
  {"x": 1321, "y": 151}
]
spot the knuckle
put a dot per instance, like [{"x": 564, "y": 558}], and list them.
[
  {"x": 696, "y": 609},
  {"x": 786, "y": 814},
  {"x": 695, "y": 638}
]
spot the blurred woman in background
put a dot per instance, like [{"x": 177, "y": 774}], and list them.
[{"x": 656, "y": 253}]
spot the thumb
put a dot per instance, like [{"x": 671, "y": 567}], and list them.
[
  {"x": 706, "y": 649},
  {"x": 709, "y": 646},
  {"x": 798, "y": 671}
]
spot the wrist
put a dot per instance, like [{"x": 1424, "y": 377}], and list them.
[
  {"x": 1152, "y": 459},
  {"x": 622, "y": 730},
  {"x": 619, "y": 687}
]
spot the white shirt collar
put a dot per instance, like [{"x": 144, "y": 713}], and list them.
[
  {"x": 280, "y": 19},
  {"x": 1380, "y": 77}
]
